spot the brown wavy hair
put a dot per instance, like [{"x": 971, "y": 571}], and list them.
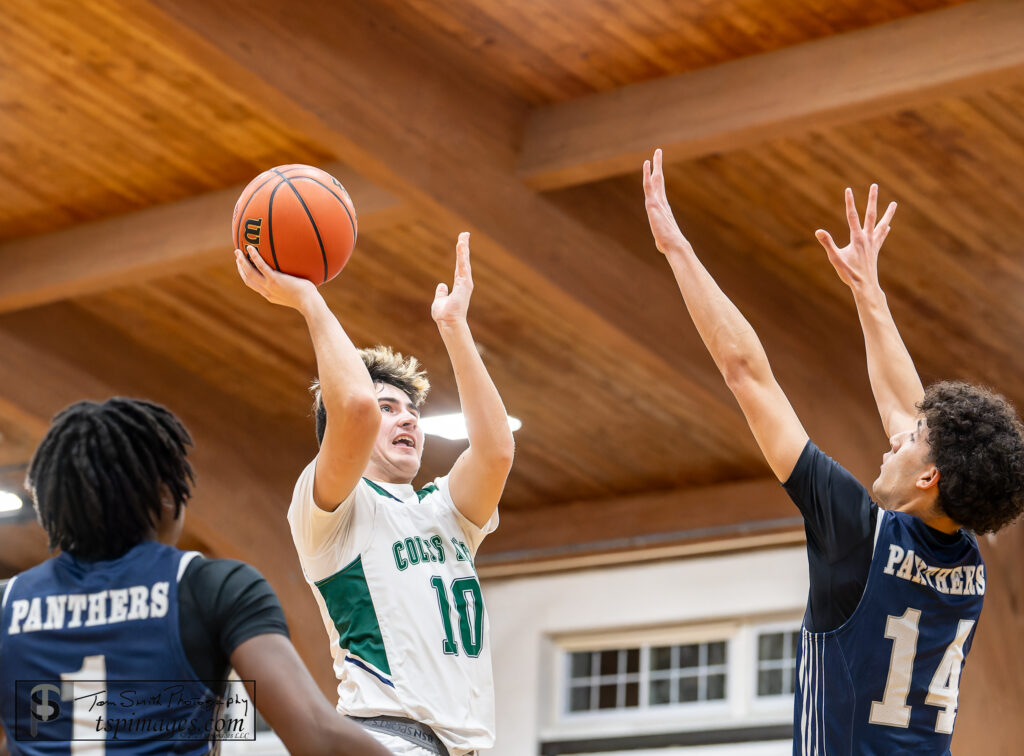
[{"x": 384, "y": 366}]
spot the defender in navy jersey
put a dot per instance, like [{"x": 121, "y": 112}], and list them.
[
  {"x": 122, "y": 642},
  {"x": 896, "y": 588}
]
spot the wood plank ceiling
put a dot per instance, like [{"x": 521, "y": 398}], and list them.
[
  {"x": 113, "y": 107},
  {"x": 548, "y": 51}
]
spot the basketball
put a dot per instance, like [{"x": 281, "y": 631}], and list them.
[{"x": 300, "y": 219}]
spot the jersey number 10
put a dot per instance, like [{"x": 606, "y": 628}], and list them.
[
  {"x": 944, "y": 688},
  {"x": 469, "y": 604}
]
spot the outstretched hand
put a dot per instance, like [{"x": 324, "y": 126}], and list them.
[
  {"x": 276, "y": 287},
  {"x": 857, "y": 262},
  {"x": 667, "y": 236},
  {"x": 451, "y": 308}
]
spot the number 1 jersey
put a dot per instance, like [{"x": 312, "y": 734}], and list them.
[
  {"x": 91, "y": 653},
  {"x": 886, "y": 682},
  {"x": 392, "y": 572}
]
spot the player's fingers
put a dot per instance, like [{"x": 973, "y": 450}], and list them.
[
  {"x": 462, "y": 255},
  {"x": 659, "y": 172},
  {"x": 441, "y": 291},
  {"x": 243, "y": 266},
  {"x": 650, "y": 179},
  {"x": 249, "y": 276},
  {"x": 257, "y": 260},
  {"x": 851, "y": 211},
  {"x": 883, "y": 224},
  {"x": 240, "y": 265},
  {"x": 871, "y": 211},
  {"x": 825, "y": 239}
]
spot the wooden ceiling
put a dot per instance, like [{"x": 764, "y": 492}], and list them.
[
  {"x": 127, "y": 128},
  {"x": 547, "y": 51}
]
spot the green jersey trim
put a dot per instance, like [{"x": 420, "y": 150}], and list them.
[
  {"x": 350, "y": 607},
  {"x": 425, "y": 491},
  {"x": 381, "y": 491}
]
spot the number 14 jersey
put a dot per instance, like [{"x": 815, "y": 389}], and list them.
[
  {"x": 887, "y": 680},
  {"x": 392, "y": 572}
]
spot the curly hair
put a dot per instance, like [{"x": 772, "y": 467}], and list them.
[
  {"x": 100, "y": 474},
  {"x": 977, "y": 444},
  {"x": 384, "y": 366}
]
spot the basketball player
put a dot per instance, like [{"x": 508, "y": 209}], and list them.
[
  {"x": 896, "y": 587},
  {"x": 110, "y": 482},
  {"x": 391, "y": 568}
]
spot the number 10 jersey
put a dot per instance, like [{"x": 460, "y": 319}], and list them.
[
  {"x": 886, "y": 682},
  {"x": 392, "y": 572}
]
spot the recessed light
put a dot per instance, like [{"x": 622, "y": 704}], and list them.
[
  {"x": 453, "y": 427},
  {"x": 10, "y": 502}
]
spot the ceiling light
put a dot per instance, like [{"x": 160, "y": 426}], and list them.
[
  {"x": 453, "y": 427},
  {"x": 9, "y": 502}
]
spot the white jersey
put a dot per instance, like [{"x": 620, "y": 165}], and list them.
[{"x": 392, "y": 572}]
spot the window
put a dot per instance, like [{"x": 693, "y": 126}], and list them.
[
  {"x": 604, "y": 679},
  {"x": 646, "y": 676},
  {"x": 688, "y": 673},
  {"x": 776, "y": 662}
]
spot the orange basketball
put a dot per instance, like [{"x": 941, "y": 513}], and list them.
[{"x": 300, "y": 219}]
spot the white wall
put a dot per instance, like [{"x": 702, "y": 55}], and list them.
[{"x": 531, "y": 615}]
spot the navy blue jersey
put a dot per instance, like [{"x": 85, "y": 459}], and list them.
[
  {"x": 92, "y": 656},
  {"x": 886, "y": 682}
]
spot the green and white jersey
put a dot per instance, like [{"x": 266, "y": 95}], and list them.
[{"x": 392, "y": 572}]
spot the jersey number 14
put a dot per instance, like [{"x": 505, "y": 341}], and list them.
[{"x": 944, "y": 688}]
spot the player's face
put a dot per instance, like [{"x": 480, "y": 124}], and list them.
[
  {"x": 907, "y": 476},
  {"x": 396, "y": 454}
]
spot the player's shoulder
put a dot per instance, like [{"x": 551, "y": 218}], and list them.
[
  {"x": 303, "y": 502},
  {"x": 304, "y": 483},
  {"x": 219, "y": 585},
  {"x": 435, "y": 493},
  {"x": 215, "y": 575},
  {"x": 434, "y": 488},
  {"x": 231, "y": 599}
]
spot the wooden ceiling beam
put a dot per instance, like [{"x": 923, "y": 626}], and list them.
[
  {"x": 446, "y": 141},
  {"x": 164, "y": 240},
  {"x": 847, "y": 77}
]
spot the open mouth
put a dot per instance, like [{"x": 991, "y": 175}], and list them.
[{"x": 406, "y": 441}]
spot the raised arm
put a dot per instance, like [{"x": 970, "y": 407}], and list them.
[
  {"x": 728, "y": 336},
  {"x": 347, "y": 391},
  {"x": 293, "y": 706},
  {"x": 894, "y": 380},
  {"x": 479, "y": 474}
]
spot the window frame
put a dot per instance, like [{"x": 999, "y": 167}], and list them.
[
  {"x": 644, "y": 640},
  {"x": 770, "y": 629},
  {"x": 740, "y": 707}
]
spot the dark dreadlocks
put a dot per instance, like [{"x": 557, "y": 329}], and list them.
[{"x": 99, "y": 475}]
